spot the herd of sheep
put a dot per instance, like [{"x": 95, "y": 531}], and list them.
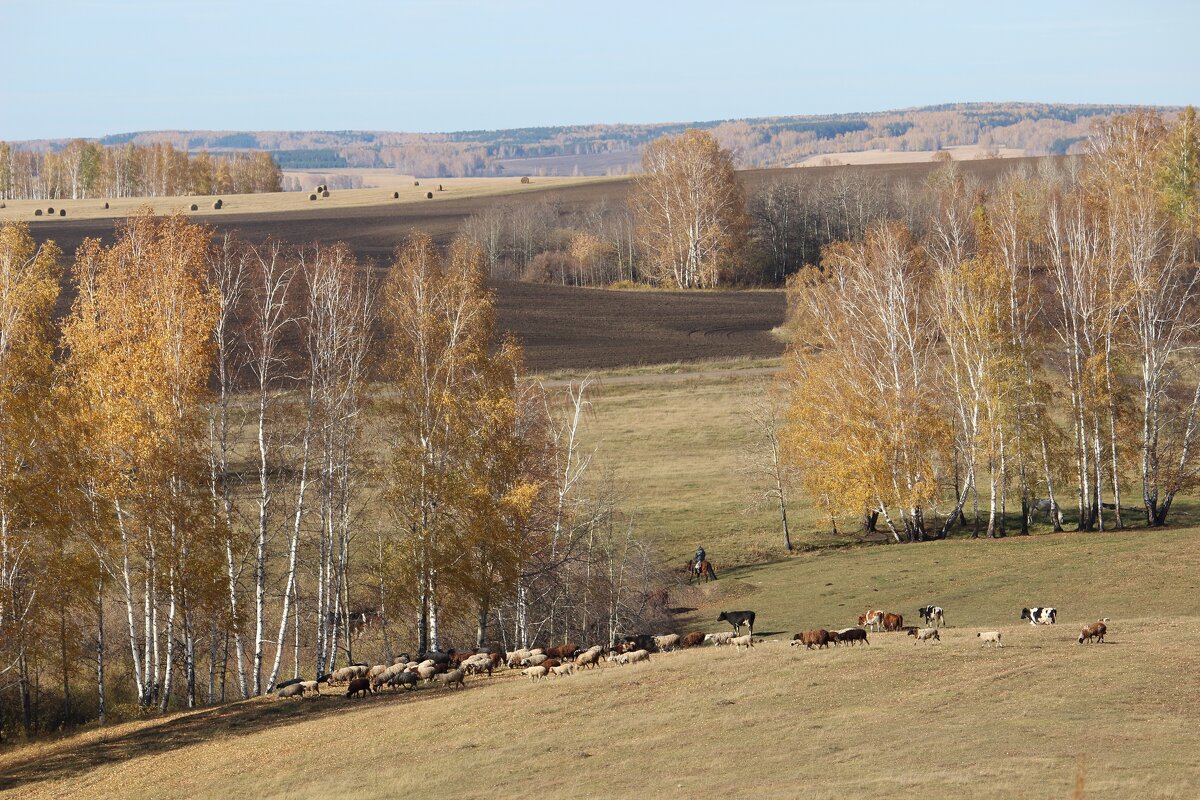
[{"x": 451, "y": 668}]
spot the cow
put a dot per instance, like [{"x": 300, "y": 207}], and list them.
[
  {"x": 932, "y": 615},
  {"x": 893, "y": 622},
  {"x": 872, "y": 619},
  {"x": 1039, "y": 615},
  {"x": 737, "y": 619}
]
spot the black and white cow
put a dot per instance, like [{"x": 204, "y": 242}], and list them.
[
  {"x": 933, "y": 615},
  {"x": 1039, "y": 616},
  {"x": 737, "y": 619}
]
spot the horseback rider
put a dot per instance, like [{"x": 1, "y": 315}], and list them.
[{"x": 699, "y": 559}]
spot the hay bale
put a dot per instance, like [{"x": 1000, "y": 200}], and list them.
[
  {"x": 50, "y": 210},
  {"x": 312, "y": 197},
  {"x": 440, "y": 187},
  {"x": 416, "y": 183},
  {"x": 106, "y": 206},
  {"x": 195, "y": 207},
  {"x": 325, "y": 193},
  {"x": 3, "y": 204},
  {"x": 37, "y": 212},
  {"x": 217, "y": 205},
  {"x": 525, "y": 179},
  {"x": 395, "y": 195},
  {"x": 62, "y": 212},
  {"x": 429, "y": 195}
]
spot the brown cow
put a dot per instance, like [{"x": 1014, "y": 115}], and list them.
[{"x": 893, "y": 622}]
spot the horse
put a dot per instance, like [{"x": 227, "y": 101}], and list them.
[{"x": 702, "y": 570}]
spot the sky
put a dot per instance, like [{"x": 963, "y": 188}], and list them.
[{"x": 76, "y": 68}]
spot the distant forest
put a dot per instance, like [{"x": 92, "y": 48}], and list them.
[{"x": 1037, "y": 128}]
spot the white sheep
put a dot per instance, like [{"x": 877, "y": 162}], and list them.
[
  {"x": 562, "y": 669},
  {"x": 667, "y": 642},
  {"x": 742, "y": 641},
  {"x": 534, "y": 673},
  {"x": 719, "y": 639},
  {"x": 925, "y": 634},
  {"x": 990, "y": 637},
  {"x": 588, "y": 658},
  {"x": 634, "y": 657}
]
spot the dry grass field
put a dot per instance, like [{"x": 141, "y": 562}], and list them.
[
  {"x": 895, "y": 719},
  {"x": 866, "y": 157}
]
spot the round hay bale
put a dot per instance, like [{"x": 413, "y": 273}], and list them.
[
  {"x": 62, "y": 212},
  {"x": 37, "y": 212},
  {"x": 525, "y": 179},
  {"x": 195, "y": 207},
  {"x": 416, "y": 183},
  {"x": 3, "y": 205},
  {"x": 325, "y": 193},
  {"x": 50, "y": 210},
  {"x": 106, "y": 206},
  {"x": 312, "y": 197},
  {"x": 395, "y": 195},
  {"x": 429, "y": 195},
  {"x": 217, "y": 205}
]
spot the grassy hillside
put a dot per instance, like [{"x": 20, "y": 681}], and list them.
[{"x": 895, "y": 719}]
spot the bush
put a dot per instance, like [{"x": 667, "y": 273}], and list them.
[
  {"x": 551, "y": 266},
  {"x": 525, "y": 179}
]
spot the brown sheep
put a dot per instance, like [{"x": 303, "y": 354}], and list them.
[
  {"x": 551, "y": 663},
  {"x": 358, "y": 686},
  {"x": 818, "y": 637},
  {"x": 693, "y": 639},
  {"x": 1094, "y": 631}
]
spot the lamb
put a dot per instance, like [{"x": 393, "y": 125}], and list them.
[
  {"x": 534, "y": 673},
  {"x": 925, "y": 634},
  {"x": 719, "y": 639},
  {"x": 817, "y": 636},
  {"x": 742, "y": 641},
  {"x": 1094, "y": 631},
  {"x": 693, "y": 639},
  {"x": 452, "y": 678},
  {"x": 358, "y": 686},
  {"x": 634, "y": 657},
  {"x": 990, "y": 637},
  {"x": 565, "y": 669},
  {"x": 667, "y": 642}
]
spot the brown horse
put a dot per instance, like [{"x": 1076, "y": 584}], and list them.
[{"x": 702, "y": 571}]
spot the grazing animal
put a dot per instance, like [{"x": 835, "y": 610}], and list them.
[
  {"x": 742, "y": 641},
  {"x": 817, "y": 636},
  {"x": 737, "y": 619},
  {"x": 534, "y": 673},
  {"x": 285, "y": 684},
  {"x": 852, "y": 635},
  {"x": 872, "y": 619},
  {"x": 641, "y": 641},
  {"x": 990, "y": 637},
  {"x": 406, "y": 679},
  {"x": 563, "y": 651},
  {"x": 693, "y": 639},
  {"x": 452, "y": 678},
  {"x": 635, "y": 657},
  {"x": 358, "y": 686},
  {"x": 311, "y": 687},
  {"x": 925, "y": 634},
  {"x": 667, "y": 642},
  {"x": 294, "y": 690},
  {"x": 702, "y": 571},
  {"x": 1094, "y": 631},
  {"x": 718, "y": 639},
  {"x": 1039, "y": 616},
  {"x": 589, "y": 658},
  {"x": 893, "y": 622},
  {"x": 560, "y": 671},
  {"x": 932, "y": 615}
]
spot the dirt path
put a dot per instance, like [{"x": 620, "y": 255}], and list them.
[{"x": 670, "y": 377}]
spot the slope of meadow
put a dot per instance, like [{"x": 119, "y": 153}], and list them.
[{"x": 895, "y": 719}]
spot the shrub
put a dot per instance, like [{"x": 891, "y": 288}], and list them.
[{"x": 551, "y": 266}]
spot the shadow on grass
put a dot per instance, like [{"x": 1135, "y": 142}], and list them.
[{"x": 232, "y": 720}]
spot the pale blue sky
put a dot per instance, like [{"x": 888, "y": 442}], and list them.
[{"x": 75, "y": 68}]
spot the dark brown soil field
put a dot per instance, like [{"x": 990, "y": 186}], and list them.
[{"x": 562, "y": 328}]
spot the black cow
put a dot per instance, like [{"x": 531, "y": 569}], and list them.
[
  {"x": 642, "y": 641},
  {"x": 737, "y": 619}
]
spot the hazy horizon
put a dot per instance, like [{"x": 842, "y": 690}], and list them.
[{"x": 424, "y": 66}]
